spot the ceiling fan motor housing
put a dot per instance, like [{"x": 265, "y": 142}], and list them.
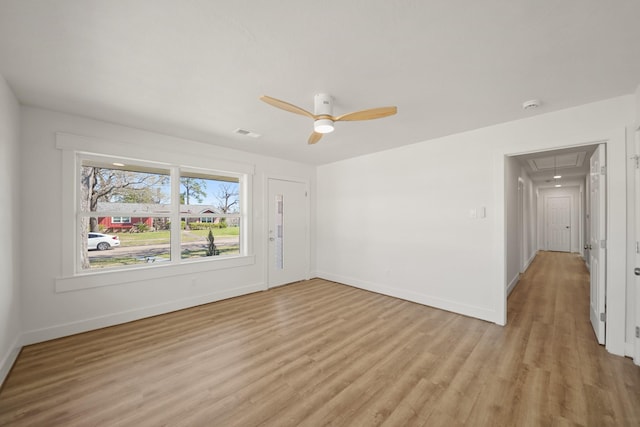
[{"x": 323, "y": 106}]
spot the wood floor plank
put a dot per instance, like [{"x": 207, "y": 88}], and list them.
[{"x": 321, "y": 353}]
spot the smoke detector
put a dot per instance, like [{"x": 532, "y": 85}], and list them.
[{"x": 531, "y": 104}]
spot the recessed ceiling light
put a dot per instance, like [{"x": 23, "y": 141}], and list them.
[
  {"x": 531, "y": 104},
  {"x": 558, "y": 185},
  {"x": 557, "y": 176},
  {"x": 117, "y": 164}
]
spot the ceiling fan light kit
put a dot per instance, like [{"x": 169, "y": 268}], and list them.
[
  {"x": 323, "y": 126},
  {"x": 323, "y": 119}
]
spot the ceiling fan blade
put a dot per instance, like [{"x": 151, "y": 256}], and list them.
[
  {"x": 286, "y": 106},
  {"x": 373, "y": 113},
  {"x": 315, "y": 137}
]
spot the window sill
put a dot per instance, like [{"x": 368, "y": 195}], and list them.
[{"x": 95, "y": 279}]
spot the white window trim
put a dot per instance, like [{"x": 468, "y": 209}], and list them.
[{"x": 74, "y": 145}]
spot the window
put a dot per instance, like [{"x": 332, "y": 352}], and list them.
[
  {"x": 155, "y": 214},
  {"x": 159, "y": 258},
  {"x": 120, "y": 219}
]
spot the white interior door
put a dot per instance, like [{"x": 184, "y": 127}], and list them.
[
  {"x": 587, "y": 222},
  {"x": 559, "y": 223},
  {"x": 288, "y": 232},
  {"x": 597, "y": 243}
]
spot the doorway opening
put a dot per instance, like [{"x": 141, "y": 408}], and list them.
[{"x": 548, "y": 207}]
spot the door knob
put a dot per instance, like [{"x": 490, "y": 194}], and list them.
[
  {"x": 271, "y": 239},
  {"x": 567, "y": 226},
  {"x": 636, "y": 271}
]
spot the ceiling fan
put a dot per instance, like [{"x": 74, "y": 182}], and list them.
[{"x": 323, "y": 118}]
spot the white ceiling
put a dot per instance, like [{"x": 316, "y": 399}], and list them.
[
  {"x": 196, "y": 68},
  {"x": 572, "y": 164}
]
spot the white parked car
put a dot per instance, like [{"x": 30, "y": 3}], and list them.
[{"x": 102, "y": 242}]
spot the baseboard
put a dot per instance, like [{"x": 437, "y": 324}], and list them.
[
  {"x": 512, "y": 284},
  {"x": 9, "y": 359},
  {"x": 62, "y": 330},
  {"x": 431, "y": 301},
  {"x": 629, "y": 350},
  {"x": 528, "y": 263}
]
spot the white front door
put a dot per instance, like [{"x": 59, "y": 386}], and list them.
[
  {"x": 559, "y": 223},
  {"x": 288, "y": 232},
  {"x": 597, "y": 243}
]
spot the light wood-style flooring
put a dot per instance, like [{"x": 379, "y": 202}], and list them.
[{"x": 320, "y": 353}]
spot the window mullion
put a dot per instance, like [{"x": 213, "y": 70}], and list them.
[{"x": 175, "y": 214}]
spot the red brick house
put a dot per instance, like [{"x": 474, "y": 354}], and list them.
[
  {"x": 122, "y": 223},
  {"x": 130, "y": 214}
]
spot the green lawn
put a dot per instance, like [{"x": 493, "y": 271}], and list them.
[{"x": 162, "y": 237}]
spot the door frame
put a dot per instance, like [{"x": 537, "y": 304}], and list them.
[
  {"x": 616, "y": 142},
  {"x": 636, "y": 279},
  {"x": 521, "y": 240},
  {"x": 265, "y": 227}
]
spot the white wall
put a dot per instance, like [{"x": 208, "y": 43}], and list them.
[
  {"x": 10, "y": 303},
  {"x": 638, "y": 106},
  {"x": 511, "y": 174},
  {"x": 397, "y": 222},
  {"x": 49, "y": 314}
]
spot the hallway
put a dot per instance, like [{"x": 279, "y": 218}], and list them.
[{"x": 549, "y": 310}]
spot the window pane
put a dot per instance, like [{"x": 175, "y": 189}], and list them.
[
  {"x": 126, "y": 189},
  {"x": 129, "y": 195},
  {"x": 195, "y": 241},
  {"x": 141, "y": 245},
  {"x": 206, "y": 203},
  {"x": 202, "y": 194}
]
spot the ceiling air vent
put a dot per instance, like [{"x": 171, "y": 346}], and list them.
[{"x": 246, "y": 133}]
